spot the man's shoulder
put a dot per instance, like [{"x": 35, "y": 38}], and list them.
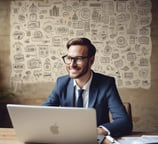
[
  {"x": 64, "y": 81},
  {"x": 103, "y": 76},
  {"x": 102, "y": 80},
  {"x": 64, "y": 78}
]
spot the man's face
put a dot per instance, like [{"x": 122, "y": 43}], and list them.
[{"x": 79, "y": 68}]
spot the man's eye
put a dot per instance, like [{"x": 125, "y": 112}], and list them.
[
  {"x": 68, "y": 58},
  {"x": 79, "y": 58}
]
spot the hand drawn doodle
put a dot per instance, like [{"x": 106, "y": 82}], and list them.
[
  {"x": 34, "y": 63},
  {"x": 121, "y": 6},
  {"x": 33, "y": 25},
  {"x": 47, "y": 65},
  {"x": 115, "y": 55},
  {"x": 108, "y": 7},
  {"x": 144, "y": 12},
  {"x": 21, "y": 18},
  {"x": 37, "y": 74},
  {"x": 30, "y": 51},
  {"x": 18, "y": 67},
  {"x": 144, "y": 40},
  {"x": 143, "y": 73},
  {"x": 132, "y": 39},
  {"x": 144, "y": 62},
  {"x": 37, "y": 36},
  {"x": 54, "y": 11},
  {"x": 105, "y": 60},
  {"x": 57, "y": 41},
  {"x": 125, "y": 68},
  {"x": 144, "y": 31},
  {"x": 78, "y": 24},
  {"x": 96, "y": 15},
  {"x": 28, "y": 76},
  {"x": 106, "y": 20},
  {"x": 131, "y": 6},
  {"x": 121, "y": 42},
  {"x": 17, "y": 47},
  {"x": 85, "y": 13},
  {"x": 120, "y": 30},
  {"x": 18, "y": 35},
  {"x": 47, "y": 75},
  {"x": 75, "y": 17},
  {"x": 131, "y": 56},
  {"x": 145, "y": 51},
  {"x": 122, "y": 18},
  {"x": 33, "y": 17},
  {"x": 107, "y": 50},
  {"x": 146, "y": 83},
  {"x": 33, "y": 8},
  {"x": 19, "y": 58},
  {"x": 145, "y": 21},
  {"x": 43, "y": 50},
  {"x": 48, "y": 27},
  {"x": 128, "y": 75},
  {"x": 75, "y": 5},
  {"x": 136, "y": 83},
  {"x": 119, "y": 63}
]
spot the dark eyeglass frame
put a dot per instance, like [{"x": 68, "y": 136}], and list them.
[{"x": 75, "y": 59}]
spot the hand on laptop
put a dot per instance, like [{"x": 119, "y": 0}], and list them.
[{"x": 101, "y": 131}]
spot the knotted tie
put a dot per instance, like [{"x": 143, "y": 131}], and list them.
[{"x": 80, "y": 99}]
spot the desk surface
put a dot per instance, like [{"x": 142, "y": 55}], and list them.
[{"x": 8, "y": 136}]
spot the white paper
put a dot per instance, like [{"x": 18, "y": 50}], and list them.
[
  {"x": 127, "y": 140},
  {"x": 145, "y": 139},
  {"x": 149, "y": 138}
]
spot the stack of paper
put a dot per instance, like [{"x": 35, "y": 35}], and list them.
[{"x": 145, "y": 139}]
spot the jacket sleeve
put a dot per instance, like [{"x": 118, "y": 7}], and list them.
[
  {"x": 53, "y": 98},
  {"x": 122, "y": 123}
]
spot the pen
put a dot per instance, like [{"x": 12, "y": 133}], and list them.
[{"x": 112, "y": 140}]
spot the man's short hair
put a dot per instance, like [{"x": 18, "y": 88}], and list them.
[{"x": 84, "y": 42}]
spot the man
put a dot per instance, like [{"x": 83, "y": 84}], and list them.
[{"x": 99, "y": 91}]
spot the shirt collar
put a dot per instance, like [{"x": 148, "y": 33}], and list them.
[{"x": 87, "y": 85}]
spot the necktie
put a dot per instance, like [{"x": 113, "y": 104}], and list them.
[{"x": 80, "y": 99}]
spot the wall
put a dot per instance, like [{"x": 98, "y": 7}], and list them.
[
  {"x": 120, "y": 30},
  {"x": 144, "y": 101}
]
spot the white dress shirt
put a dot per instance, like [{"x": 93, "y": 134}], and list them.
[{"x": 85, "y": 96}]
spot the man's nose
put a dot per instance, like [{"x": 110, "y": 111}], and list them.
[{"x": 73, "y": 62}]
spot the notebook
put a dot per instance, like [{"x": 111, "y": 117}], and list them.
[{"x": 55, "y": 125}]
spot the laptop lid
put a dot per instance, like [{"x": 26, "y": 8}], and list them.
[{"x": 57, "y": 125}]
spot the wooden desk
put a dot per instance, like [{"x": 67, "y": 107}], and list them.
[{"x": 8, "y": 136}]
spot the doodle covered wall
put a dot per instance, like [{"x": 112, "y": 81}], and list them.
[{"x": 120, "y": 30}]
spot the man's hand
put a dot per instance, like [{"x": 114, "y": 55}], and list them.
[{"x": 101, "y": 131}]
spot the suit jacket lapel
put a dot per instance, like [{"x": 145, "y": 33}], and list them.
[
  {"x": 93, "y": 92},
  {"x": 71, "y": 94}
]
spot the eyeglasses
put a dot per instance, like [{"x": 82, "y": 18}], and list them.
[{"x": 78, "y": 59}]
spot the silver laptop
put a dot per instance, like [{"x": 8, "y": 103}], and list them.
[{"x": 55, "y": 125}]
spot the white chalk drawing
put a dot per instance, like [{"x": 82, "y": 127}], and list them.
[{"x": 120, "y": 30}]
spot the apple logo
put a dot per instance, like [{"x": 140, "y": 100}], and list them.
[{"x": 54, "y": 129}]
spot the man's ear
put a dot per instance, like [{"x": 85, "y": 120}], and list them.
[{"x": 92, "y": 60}]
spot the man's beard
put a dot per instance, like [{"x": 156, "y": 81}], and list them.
[{"x": 84, "y": 71}]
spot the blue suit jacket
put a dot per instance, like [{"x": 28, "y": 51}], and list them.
[{"x": 103, "y": 96}]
